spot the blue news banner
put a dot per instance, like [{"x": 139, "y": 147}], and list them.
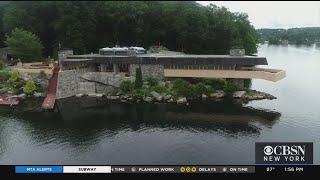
[{"x": 39, "y": 169}]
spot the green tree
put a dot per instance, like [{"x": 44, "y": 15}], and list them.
[
  {"x": 138, "y": 82},
  {"x": 152, "y": 81},
  {"x": 126, "y": 86},
  {"x": 200, "y": 88},
  {"x": 230, "y": 88},
  {"x": 24, "y": 45},
  {"x": 85, "y": 26},
  {"x": 183, "y": 88},
  {"x": 29, "y": 88},
  {"x": 2, "y": 64},
  {"x": 15, "y": 81}
]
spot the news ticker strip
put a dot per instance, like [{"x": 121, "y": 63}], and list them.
[{"x": 134, "y": 169}]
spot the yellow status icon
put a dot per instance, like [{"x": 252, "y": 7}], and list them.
[
  {"x": 182, "y": 169},
  {"x": 193, "y": 169},
  {"x": 188, "y": 169}
]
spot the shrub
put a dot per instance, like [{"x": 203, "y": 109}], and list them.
[
  {"x": 200, "y": 88},
  {"x": 230, "y": 88},
  {"x": 138, "y": 82},
  {"x": 180, "y": 86},
  {"x": 152, "y": 81},
  {"x": 114, "y": 91},
  {"x": 191, "y": 91},
  {"x": 2, "y": 65},
  {"x": 177, "y": 83},
  {"x": 160, "y": 89},
  {"x": 39, "y": 88},
  {"x": 183, "y": 88},
  {"x": 247, "y": 83},
  {"x": 16, "y": 82},
  {"x": 29, "y": 88},
  {"x": 210, "y": 90},
  {"x": 126, "y": 86},
  {"x": 15, "y": 76},
  {"x": 4, "y": 76},
  {"x": 140, "y": 93},
  {"x": 217, "y": 83}
]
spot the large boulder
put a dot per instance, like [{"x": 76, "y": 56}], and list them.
[
  {"x": 22, "y": 96},
  {"x": 38, "y": 94},
  {"x": 238, "y": 94},
  {"x": 217, "y": 95},
  {"x": 203, "y": 96},
  {"x": 156, "y": 95},
  {"x": 147, "y": 99},
  {"x": 170, "y": 100},
  {"x": 92, "y": 94},
  {"x": 257, "y": 95},
  {"x": 167, "y": 97},
  {"x": 124, "y": 97},
  {"x": 99, "y": 95},
  {"x": 79, "y": 95},
  {"x": 182, "y": 100},
  {"x": 114, "y": 97}
]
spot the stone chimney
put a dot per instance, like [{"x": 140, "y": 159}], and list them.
[{"x": 62, "y": 55}]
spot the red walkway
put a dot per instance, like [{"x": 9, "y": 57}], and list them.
[{"x": 49, "y": 101}]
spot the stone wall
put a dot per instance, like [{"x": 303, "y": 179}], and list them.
[
  {"x": 105, "y": 81},
  {"x": 41, "y": 79},
  {"x": 73, "y": 82},
  {"x": 86, "y": 87},
  {"x": 155, "y": 70},
  {"x": 68, "y": 82}
]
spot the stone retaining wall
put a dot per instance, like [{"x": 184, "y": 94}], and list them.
[
  {"x": 73, "y": 82},
  {"x": 147, "y": 70},
  {"x": 68, "y": 82}
]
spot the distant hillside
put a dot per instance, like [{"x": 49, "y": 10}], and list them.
[
  {"x": 307, "y": 35},
  {"x": 86, "y": 26}
]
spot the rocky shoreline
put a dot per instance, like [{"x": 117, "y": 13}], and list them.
[
  {"x": 238, "y": 97},
  {"x": 155, "y": 97}
]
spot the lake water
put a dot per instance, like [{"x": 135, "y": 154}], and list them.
[{"x": 90, "y": 131}]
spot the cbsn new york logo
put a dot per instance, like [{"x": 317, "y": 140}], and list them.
[{"x": 284, "y": 153}]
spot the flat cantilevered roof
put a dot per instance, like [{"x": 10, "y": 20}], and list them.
[{"x": 170, "y": 59}]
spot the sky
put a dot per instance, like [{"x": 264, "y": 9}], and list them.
[{"x": 275, "y": 14}]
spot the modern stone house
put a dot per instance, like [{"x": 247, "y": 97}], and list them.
[{"x": 99, "y": 73}]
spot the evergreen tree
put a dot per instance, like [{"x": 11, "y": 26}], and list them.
[
  {"x": 24, "y": 45},
  {"x": 138, "y": 82},
  {"x": 86, "y": 26}
]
